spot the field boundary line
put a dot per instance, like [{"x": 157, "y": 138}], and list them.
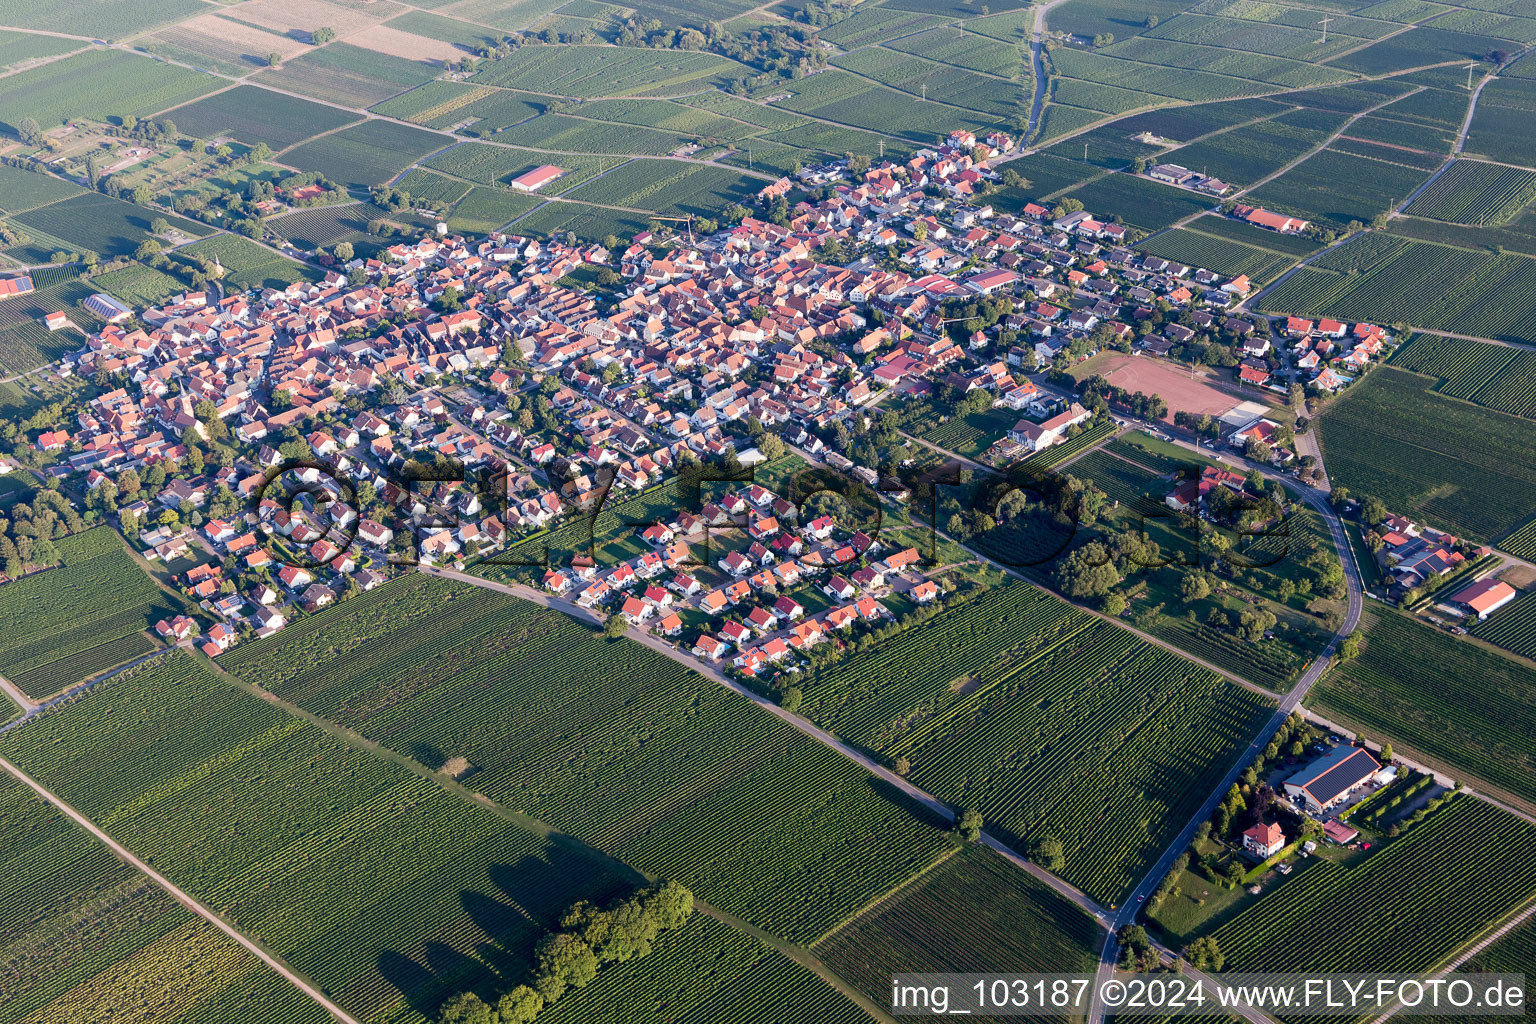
[{"x": 181, "y": 896}]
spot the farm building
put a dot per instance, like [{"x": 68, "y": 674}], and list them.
[
  {"x": 1484, "y": 597},
  {"x": 1330, "y": 780},
  {"x": 19, "y": 285},
  {"x": 108, "y": 308},
  {"x": 1275, "y": 221},
  {"x": 532, "y": 181}
]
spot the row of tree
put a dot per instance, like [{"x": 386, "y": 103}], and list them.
[{"x": 571, "y": 955}]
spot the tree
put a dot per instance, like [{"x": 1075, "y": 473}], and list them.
[
  {"x": 1204, "y": 954},
  {"x": 1372, "y": 511},
  {"x": 1113, "y": 604},
  {"x": 790, "y": 699},
  {"x": 322, "y": 35},
  {"x": 1386, "y": 753},
  {"x": 1087, "y": 572},
  {"x": 1349, "y": 647},
  {"x": 564, "y": 961},
  {"x": 902, "y": 766},
  {"x": 1193, "y": 587},
  {"x": 274, "y": 59},
  {"x": 148, "y": 249},
  {"x": 29, "y": 131},
  {"x": 129, "y": 122},
  {"x": 519, "y": 1006},
  {"x": 969, "y": 824},
  {"x": 466, "y": 1008},
  {"x": 343, "y": 251},
  {"x": 615, "y": 625},
  {"x": 1048, "y": 853}
]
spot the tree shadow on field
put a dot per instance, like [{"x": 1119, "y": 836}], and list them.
[
  {"x": 428, "y": 755},
  {"x": 447, "y": 971}
]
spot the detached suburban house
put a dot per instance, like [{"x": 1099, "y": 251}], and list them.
[
  {"x": 1035, "y": 436},
  {"x": 1330, "y": 780},
  {"x": 1263, "y": 841}
]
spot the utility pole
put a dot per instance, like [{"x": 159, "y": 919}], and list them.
[
  {"x": 1470, "y": 68},
  {"x": 1324, "y": 23},
  {"x": 925, "y": 90}
]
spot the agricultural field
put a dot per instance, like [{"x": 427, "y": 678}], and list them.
[
  {"x": 836, "y": 95},
  {"x": 1512, "y": 628},
  {"x": 974, "y": 432},
  {"x": 483, "y": 210},
  {"x": 938, "y": 83},
  {"x": 327, "y": 225},
  {"x": 136, "y": 284},
  {"x": 349, "y": 75},
  {"x": 1502, "y": 127},
  {"x": 109, "y": 19},
  {"x": 592, "y": 223},
  {"x": 480, "y": 109},
  {"x": 382, "y": 887},
  {"x": 719, "y": 795},
  {"x": 1140, "y": 202},
  {"x": 28, "y": 345},
  {"x": 1336, "y": 187},
  {"x": 704, "y": 971},
  {"x": 559, "y": 132},
  {"x": 1462, "y": 367},
  {"x": 249, "y": 265},
  {"x": 87, "y": 615},
  {"x": 592, "y": 71},
  {"x": 1463, "y": 468},
  {"x": 994, "y": 712},
  {"x": 366, "y": 154},
  {"x": 1490, "y": 294},
  {"x": 85, "y": 934},
  {"x": 211, "y": 42},
  {"x": 1461, "y": 706},
  {"x": 1472, "y": 192},
  {"x": 25, "y": 190},
  {"x": 1218, "y": 255},
  {"x": 97, "y": 84},
  {"x": 106, "y": 226},
  {"x": 1248, "y": 152},
  {"x": 1425, "y": 887},
  {"x": 254, "y": 115},
  {"x": 671, "y": 187},
  {"x": 973, "y": 913},
  {"x": 868, "y": 25},
  {"x": 496, "y": 165}
]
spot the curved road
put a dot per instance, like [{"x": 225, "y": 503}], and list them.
[
  {"x": 925, "y": 799},
  {"x": 1292, "y": 700}
]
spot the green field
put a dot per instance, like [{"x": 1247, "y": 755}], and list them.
[
  {"x": 26, "y": 190},
  {"x": 107, "y": 226},
  {"x": 106, "y": 19},
  {"x": 249, "y": 265},
  {"x": 592, "y": 71},
  {"x": 255, "y": 115},
  {"x": 138, "y": 285},
  {"x": 84, "y": 935},
  {"x": 1218, "y": 255},
  {"x": 1380, "y": 278},
  {"x": 975, "y": 912},
  {"x": 366, "y": 154},
  {"x": 1502, "y": 127},
  {"x": 1458, "y": 704},
  {"x": 483, "y": 210},
  {"x": 992, "y": 705},
  {"x": 1512, "y": 628},
  {"x": 1461, "y": 467},
  {"x": 626, "y": 750},
  {"x": 81, "y": 618},
  {"x": 349, "y": 75},
  {"x": 383, "y": 888},
  {"x": 1472, "y": 192},
  {"x": 1435, "y": 888},
  {"x": 670, "y": 186},
  {"x": 705, "y": 971},
  {"x": 97, "y": 84}
]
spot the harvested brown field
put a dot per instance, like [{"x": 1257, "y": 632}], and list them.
[
  {"x": 229, "y": 42},
  {"x": 391, "y": 41},
  {"x": 298, "y": 18},
  {"x": 1153, "y": 376}
]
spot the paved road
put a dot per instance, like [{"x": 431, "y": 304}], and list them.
[
  {"x": 1292, "y": 700},
  {"x": 660, "y": 646},
  {"x": 180, "y": 896}
]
